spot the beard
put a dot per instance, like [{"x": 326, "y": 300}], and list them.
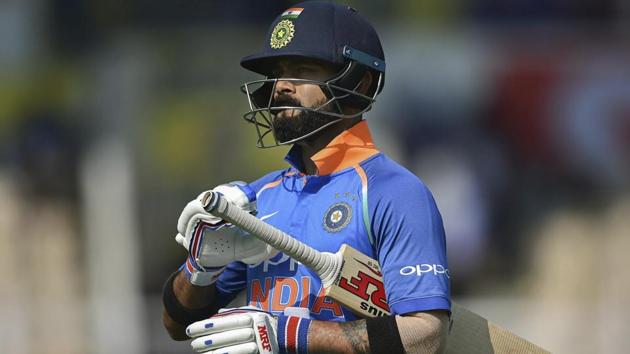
[{"x": 300, "y": 122}]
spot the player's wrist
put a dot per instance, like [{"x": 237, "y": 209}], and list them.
[{"x": 182, "y": 304}]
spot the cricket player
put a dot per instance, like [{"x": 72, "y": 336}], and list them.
[{"x": 323, "y": 66}]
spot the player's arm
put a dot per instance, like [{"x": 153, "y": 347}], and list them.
[
  {"x": 192, "y": 298},
  {"x": 251, "y": 330},
  {"x": 408, "y": 233},
  {"x": 421, "y": 332}
]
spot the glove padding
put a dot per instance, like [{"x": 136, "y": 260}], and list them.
[
  {"x": 213, "y": 250},
  {"x": 248, "y": 330}
]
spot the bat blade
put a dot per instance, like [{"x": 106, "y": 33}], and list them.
[
  {"x": 359, "y": 284},
  {"x": 470, "y": 333}
]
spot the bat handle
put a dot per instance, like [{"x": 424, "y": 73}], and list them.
[{"x": 326, "y": 265}]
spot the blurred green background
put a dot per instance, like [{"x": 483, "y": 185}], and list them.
[{"x": 113, "y": 115}]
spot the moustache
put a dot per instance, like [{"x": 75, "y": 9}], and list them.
[{"x": 285, "y": 101}]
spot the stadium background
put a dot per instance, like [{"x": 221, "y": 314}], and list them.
[{"x": 114, "y": 114}]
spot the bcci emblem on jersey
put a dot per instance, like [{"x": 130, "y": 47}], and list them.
[{"x": 337, "y": 217}]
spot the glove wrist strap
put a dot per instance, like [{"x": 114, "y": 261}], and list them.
[
  {"x": 293, "y": 334},
  {"x": 201, "y": 278}
]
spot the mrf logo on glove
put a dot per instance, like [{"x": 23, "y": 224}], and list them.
[{"x": 263, "y": 337}]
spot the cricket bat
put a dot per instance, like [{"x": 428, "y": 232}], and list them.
[{"x": 355, "y": 281}]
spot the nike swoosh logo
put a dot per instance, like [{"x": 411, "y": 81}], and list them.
[{"x": 269, "y": 215}]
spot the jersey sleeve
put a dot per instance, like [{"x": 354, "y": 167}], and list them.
[{"x": 409, "y": 241}]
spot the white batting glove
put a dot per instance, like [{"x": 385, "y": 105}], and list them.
[
  {"x": 248, "y": 330},
  {"x": 210, "y": 251}
]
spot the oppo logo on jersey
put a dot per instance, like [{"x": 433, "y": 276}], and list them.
[
  {"x": 281, "y": 258},
  {"x": 420, "y": 269}
]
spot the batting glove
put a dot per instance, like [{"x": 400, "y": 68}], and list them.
[
  {"x": 210, "y": 251},
  {"x": 248, "y": 330}
]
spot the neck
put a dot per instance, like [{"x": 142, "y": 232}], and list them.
[{"x": 310, "y": 147}]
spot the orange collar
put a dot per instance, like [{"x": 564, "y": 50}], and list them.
[{"x": 349, "y": 148}]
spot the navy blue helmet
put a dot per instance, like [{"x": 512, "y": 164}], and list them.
[{"x": 326, "y": 32}]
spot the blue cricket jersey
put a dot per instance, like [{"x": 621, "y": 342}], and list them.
[{"x": 361, "y": 198}]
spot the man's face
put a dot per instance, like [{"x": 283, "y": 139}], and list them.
[{"x": 291, "y": 124}]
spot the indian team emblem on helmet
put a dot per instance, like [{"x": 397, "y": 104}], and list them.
[
  {"x": 282, "y": 34},
  {"x": 337, "y": 217}
]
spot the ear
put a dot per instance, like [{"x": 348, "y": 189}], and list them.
[{"x": 366, "y": 82}]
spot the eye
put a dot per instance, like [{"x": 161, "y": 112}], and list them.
[
  {"x": 305, "y": 69},
  {"x": 306, "y": 72}
]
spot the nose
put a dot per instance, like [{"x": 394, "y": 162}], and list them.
[{"x": 284, "y": 87}]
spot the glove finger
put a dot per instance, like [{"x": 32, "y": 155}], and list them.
[
  {"x": 227, "y": 309},
  {"x": 218, "y": 324},
  {"x": 192, "y": 208},
  {"x": 224, "y": 339},
  {"x": 211, "y": 220},
  {"x": 179, "y": 238},
  {"x": 245, "y": 348},
  {"x": 192, "y": 213},
  {"x": 239, "y": 310},
  {"x": 263, "y": 254},
  {"x": 233, "y": 194}
]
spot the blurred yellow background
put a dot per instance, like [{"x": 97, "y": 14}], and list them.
[{"x": 113, "y": 115}]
